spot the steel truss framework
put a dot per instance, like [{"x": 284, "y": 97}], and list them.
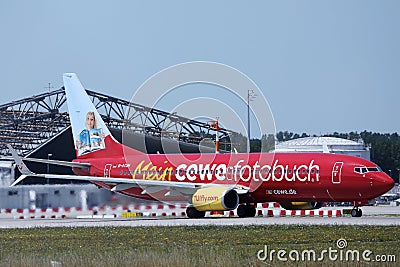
[{"x": 30, "y": 122}]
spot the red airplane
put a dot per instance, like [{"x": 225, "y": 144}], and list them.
[{"x": 210, "y": 182}]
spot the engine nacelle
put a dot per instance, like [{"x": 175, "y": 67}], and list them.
[
  {"x": 301, "y": 205},
  {"x": 215, "y": 198}
]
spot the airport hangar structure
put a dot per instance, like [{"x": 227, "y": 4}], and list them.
[
  {"x": 39, "y": 127},
  {"x": 325, "y": 144}
]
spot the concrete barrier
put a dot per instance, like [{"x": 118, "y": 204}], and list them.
[{"x": 156, "y": 210}]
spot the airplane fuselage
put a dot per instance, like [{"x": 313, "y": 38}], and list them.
[{"x": 270, "y": 177}]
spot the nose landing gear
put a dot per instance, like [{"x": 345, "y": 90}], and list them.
[{"x": 356, "y": 212}]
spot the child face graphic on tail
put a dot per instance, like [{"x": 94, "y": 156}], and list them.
[
  {"x": 90, "y": 120},
  {"x": 91, "y": 138}
]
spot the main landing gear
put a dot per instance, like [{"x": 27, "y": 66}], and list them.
[
  {"x": 246, "y": 210},
  {"x": 192, "y": 212},
  {"x": 243, "y": 210},
  {"x": 356, "y": 212}
]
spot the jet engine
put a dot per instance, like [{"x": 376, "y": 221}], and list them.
[
  {"x": 301, "y": 205},
  {"x": 215, "y": 198}
]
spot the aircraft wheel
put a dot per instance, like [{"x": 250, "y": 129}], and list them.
[
  {"x": 356, "y": 212},
  {"x": 192, "y": 212},
  {"x": 353, "y": 213},
  {"x": 241, "y": 211},
  {"x": 359, "y": 213},
  {"x": 251, "y": 211}
]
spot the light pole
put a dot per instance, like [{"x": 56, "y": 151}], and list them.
[
  {"x": 250, "y": 97},
  {"x": 49, "y": 155},
  {"x": 398, "y": 171}
]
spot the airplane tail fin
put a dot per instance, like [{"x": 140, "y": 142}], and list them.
[{"x": 91, "y": 135}]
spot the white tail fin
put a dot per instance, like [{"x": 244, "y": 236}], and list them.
[{"x": 89, "y": 131}]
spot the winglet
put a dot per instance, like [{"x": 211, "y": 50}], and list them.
[
  {"x": 20, "y": 164},
  {"x": 22, "y": 177}
]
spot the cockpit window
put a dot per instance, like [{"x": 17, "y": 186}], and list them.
[{"x": 363, "y": 170}]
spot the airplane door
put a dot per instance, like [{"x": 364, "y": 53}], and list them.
[
  {"x": 107, "y": 170},
  {"x": 337, "y": 173}
]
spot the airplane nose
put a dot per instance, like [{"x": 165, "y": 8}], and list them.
[{"x": 383, "y": 182}]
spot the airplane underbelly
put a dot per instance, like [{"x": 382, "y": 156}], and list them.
[{"x": 306, "y": 192}]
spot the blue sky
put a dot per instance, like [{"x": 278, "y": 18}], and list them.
[{"x": 323, "y": 66}]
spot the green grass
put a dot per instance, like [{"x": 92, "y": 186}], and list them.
[{"x": 183, "y": 246}]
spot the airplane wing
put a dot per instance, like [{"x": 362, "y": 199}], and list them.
[
  {"x": 118, "y": 184},
  {"x": 148, "y": 186},
  {"x": 20, "y": 164}
]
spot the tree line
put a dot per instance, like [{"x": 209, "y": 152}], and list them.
[{"x": 384, "y": 147}]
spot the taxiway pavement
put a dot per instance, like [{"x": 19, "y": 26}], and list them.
[{"x": 385, "y": 215}]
